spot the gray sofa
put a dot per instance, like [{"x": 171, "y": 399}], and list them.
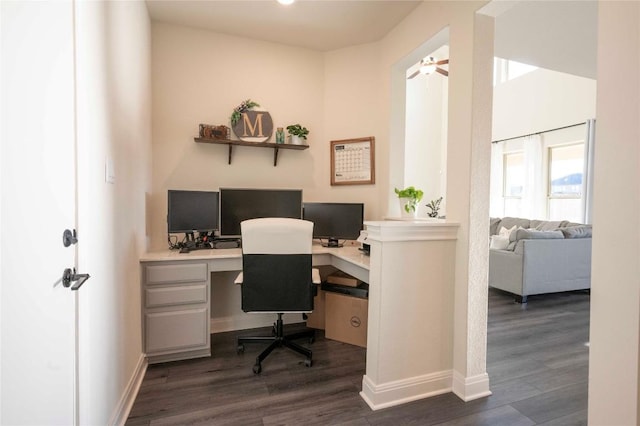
[{"x": 535, "y": 257}]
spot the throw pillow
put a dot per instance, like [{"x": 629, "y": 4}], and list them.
[
  {"x": 499, "y": 242},
  {"x": 507, "y": 231}
]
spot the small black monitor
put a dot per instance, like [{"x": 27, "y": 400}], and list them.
[
  {"x": 238, "y": 204},
  {"x": 335, "y": 221},
  {"x": 190, "y": 211}
]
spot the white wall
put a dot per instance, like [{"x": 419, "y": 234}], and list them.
[
  {"x": 114, "y": 122},
  {"x": 200, "y": 76},
  {"x": 614, "y": 353},
  {"x": 541, "y": 100}
]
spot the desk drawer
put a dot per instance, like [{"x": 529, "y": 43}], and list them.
[
  {"x": 176, "y": 331},
  {"x": 175, "y": 295},
  {"x": 176, "y": 273}
]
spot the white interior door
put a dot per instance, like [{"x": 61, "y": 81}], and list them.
[{"x": 38, "y": 172}]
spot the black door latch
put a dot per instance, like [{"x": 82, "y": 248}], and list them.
[{"x": 69, "y": 276}]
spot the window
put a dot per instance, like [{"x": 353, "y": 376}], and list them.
[
  {"x": 505, "y": 70},
  {"x": 564, "y": 182},
  {"x": 540, "y": 176}
]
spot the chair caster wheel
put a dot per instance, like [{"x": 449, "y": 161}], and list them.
[
  {"x": 307, "y": 363},
  {"x": 257, "y": 369},
  {"x": 240, "y": 349}
]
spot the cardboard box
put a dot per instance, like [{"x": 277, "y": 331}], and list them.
[
  {"x": 346, "y": 318},
  {"x": 341, "y": 278},
  {"x": 316, "y": 318}
]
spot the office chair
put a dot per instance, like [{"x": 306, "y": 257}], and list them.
[{"x": 277, "y": 277}]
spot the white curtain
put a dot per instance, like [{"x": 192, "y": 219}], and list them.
[
  {"x": 587, "y": 176},
  {"x": 496, "y": 202},
  {"x": 533, "y": 194}
]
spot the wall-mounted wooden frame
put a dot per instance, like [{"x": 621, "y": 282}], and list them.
[{"x": 353, "y": 161}]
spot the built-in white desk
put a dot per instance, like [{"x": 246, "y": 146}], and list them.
[
  {"x": 176, "y": 296},
  {"x": 410, "y": 333}
]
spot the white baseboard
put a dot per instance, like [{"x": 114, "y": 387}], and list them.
[
  {"x": 398, "y": 392},
  {"x": 470, "y": 388},
  {"x": 128, "y": 397}
]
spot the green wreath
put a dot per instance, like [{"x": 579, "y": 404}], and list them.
[{"x": 237, "y": 111}]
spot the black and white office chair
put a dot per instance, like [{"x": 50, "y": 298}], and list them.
[{"x": 277, "y": 277}]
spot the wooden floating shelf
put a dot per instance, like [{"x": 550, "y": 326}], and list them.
[{"x": 231, "y": 143}]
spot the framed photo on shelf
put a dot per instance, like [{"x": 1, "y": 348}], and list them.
[{"x": 353, "y": 161}]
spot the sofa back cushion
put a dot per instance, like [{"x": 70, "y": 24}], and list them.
[
  {"x": 510, "y": 222},
  {"x": 583, "y": 231}
]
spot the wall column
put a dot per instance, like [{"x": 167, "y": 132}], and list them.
[{"x": 410, "y": 326}]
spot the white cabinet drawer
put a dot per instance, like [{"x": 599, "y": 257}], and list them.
[
  {"x": 175, "y": 295},
  {"x": 177, "y": 273},
  {"x": 176, "y": 330}
]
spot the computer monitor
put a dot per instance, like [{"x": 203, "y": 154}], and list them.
[
  {"x": 190, "y": 211},
  {"x": 334, "y": 221},
  {"x": 238, "y": 204}
]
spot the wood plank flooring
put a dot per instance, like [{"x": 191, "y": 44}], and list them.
[{"x": 536, "y": 359}]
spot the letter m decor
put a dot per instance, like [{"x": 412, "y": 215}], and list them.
[{"x": 254, "y": 126}]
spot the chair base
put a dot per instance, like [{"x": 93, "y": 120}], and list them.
[{"x": 278, "y": 339}]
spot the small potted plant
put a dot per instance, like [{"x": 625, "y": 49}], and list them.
[
  {"x": 409, "y": 198},
  {"x": 434, "y": 206},
  {"x": 297, "y": 134}
]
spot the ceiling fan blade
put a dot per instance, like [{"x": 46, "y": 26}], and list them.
[
  {"x": 443, "y": 72},
  {"x": 413, "y": 75},
  {"x": 442, "y": 62}
]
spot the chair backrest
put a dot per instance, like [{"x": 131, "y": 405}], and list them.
[{"x": 276, "y": 265}]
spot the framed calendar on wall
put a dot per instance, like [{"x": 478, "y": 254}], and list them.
[{"x": 353, "y": 161}]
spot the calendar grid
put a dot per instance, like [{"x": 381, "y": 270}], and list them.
[{"x": 352, "y": 161}]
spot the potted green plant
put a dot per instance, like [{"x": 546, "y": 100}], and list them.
[
  {"x": 297, "y": 134},
  {"x": 409, "y": 198}
]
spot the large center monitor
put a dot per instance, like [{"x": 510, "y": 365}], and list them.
[
  {"x": 335, "y": 221},
  {"x": 190, "y": 211},
  {"x": 238, "y": 204}
]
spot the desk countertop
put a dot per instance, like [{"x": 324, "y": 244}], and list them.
[{"x": 349, "y": 254}]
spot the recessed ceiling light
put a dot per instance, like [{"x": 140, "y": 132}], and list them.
[{"x": 285, "y": 2}]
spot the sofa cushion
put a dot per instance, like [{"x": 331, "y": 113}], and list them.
[
  {"x": 534, "y": 234},
  {"x": 510, "y": 222},
  {"x": 531, "y": 234},
  {"x": 551, "y": 225},
  {"x": 583, "y": 231}
]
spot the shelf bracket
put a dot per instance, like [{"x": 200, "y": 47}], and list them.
[
  {"x": 275, "y": 156},
  {"x": 230, "y": 151}
]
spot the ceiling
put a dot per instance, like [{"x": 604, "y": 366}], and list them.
[
  {"x": 314, "y": 24},
  {"x": 557, "y": 35}
]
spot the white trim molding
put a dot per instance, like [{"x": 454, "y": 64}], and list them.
[
  {"x": 402, "y": 391},
  {"x": 413, "y": 230},
  {"x": 121, "y": 413},
  {"x": 470, "y": 388}
]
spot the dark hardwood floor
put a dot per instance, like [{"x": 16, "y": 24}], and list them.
[{"x": 537, "y": 363}]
